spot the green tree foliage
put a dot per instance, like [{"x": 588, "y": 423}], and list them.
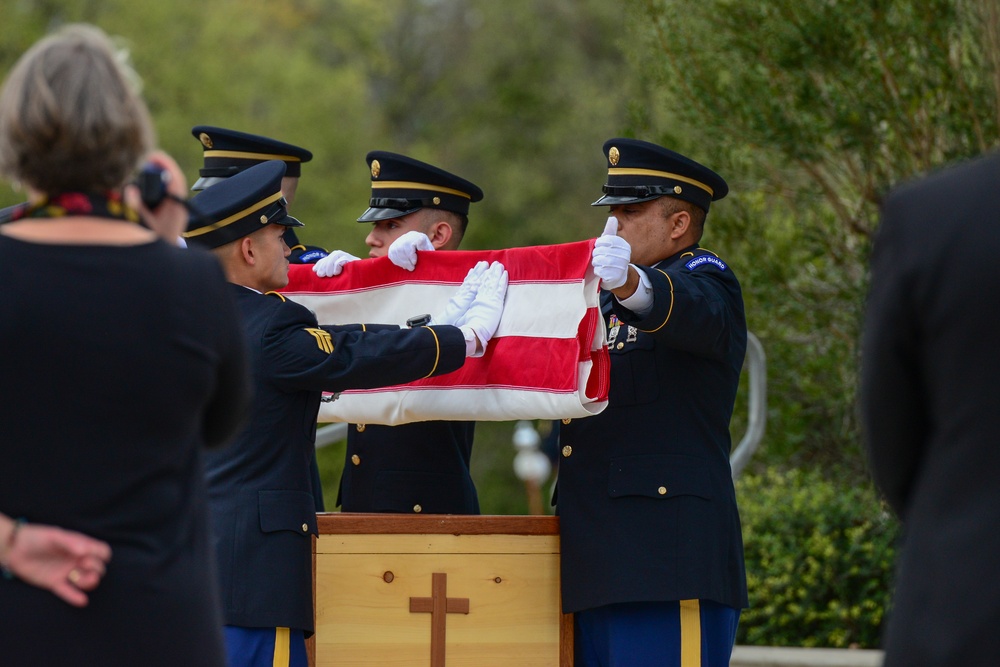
[
  {"x": 285, "y": 68},
  {"x": 517, "y": 96},
  {"x": 813, "y": 110},
  {"x": 819, "y": 560}
]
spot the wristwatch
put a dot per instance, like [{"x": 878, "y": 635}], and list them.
[{"x": 419, "y": 321}]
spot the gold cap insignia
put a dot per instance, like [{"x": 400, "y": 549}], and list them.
[
  {"x": 205, "y": 140},
  {"x": 376, "y": 169},
  {"x": 263, "y": 219},
  {"x": 436, "y": 200},
  {"x": 677, "y": 189},
  {"x": 613, "y": 156}
]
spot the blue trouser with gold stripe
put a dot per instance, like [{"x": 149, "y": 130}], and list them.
[
  {"x": 688, "y": 633},
  {"x": 265, "y": 647}
]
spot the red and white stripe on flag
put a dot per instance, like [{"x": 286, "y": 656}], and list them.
[{"x": 548, "y": 359}]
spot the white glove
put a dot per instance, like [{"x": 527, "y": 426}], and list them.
[
  {"x": 403, "y": 251},
  {"x": 611, "y": 256},
  {"x": 482, "y": 318},
  {"x": 333, "y": 264},
  {"x": 460, "y": 302}
]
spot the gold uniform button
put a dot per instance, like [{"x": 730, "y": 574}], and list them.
[
  {"x": 356, "y": 460},
  {"x": 662, "y": 490},
  {"x": 418, "y": 509},
  {"x": 566, "y": 421},
  {"x": 567, "y": 450},
  {"x": 305, "y": 528},
  {"x": 620, "y": 345},
  {"x": 361, "y": 428}
]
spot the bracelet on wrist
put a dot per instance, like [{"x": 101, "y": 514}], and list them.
[{"x": 5, "y": 560}]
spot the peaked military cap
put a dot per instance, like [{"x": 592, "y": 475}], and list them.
[
  {"x": 239, "y": 206},
  {"x": 228, "y": 152},
  {"x": 640, "y": 171},
  {"x": 402, "y": 185}
]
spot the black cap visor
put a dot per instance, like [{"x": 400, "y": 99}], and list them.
[
  {"x": 289, "y": 221},
  {"x": 618, "y": 200},
  {"x": 616, "y": 195},
  {"x": 205, "y": 182},
  {"x": 376, "y": 213}
]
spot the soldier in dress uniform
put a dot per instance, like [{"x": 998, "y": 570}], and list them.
[
  {"x": 228, "y": 152},
  {"x": 652, "y": 552},
  {"x": 260, "y": 492},
  {"x": 423, "y": 466}
]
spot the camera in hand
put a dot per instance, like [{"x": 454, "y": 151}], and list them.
[{"x": 152, "y": 183}]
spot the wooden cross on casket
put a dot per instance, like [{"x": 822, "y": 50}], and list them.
[{"x": 438, "y": 605}]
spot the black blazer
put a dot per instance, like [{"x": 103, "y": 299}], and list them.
[
  {"x": 931, "y": 410},
  {"x": 121, "y": 363},
  {"x": 645, "y": 495},
  {"x": 260, "y": 488}
]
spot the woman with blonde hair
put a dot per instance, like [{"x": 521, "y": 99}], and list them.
[{"x": 123, "y": 359}]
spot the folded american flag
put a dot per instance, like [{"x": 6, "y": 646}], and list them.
[{"x": 548, "y": 359}]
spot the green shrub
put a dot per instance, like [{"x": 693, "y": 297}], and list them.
[{"x": 819, "y": 558}]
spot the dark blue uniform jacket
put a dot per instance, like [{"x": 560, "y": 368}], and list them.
[
  {"x": 260, "y": 488},
  {"x": 418, "y": 467},
  {"x": 645, "y": 495}
]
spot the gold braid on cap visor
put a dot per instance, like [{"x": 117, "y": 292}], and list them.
[
  {"x": 234, "y": 217},
  {"x": 410, "y": 185},
  {"x": 246, "y": 155},
  {"x": 619, "y": 171}
]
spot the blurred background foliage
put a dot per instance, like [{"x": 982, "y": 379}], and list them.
[
  {"x": 818, "y": 556},
  {"x": 811, "y": 110}
]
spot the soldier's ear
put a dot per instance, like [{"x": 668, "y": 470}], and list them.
[
  {"x": 680, "y": 223},
  {"x": 440, "y": 234},
  {"x": 247, "y": 250}
]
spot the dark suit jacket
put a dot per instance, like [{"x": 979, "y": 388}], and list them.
[
  {"x": 931, "y": 410},
  {"x": 260, "y": 488},
  {"x": 645, "y": 495}
]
